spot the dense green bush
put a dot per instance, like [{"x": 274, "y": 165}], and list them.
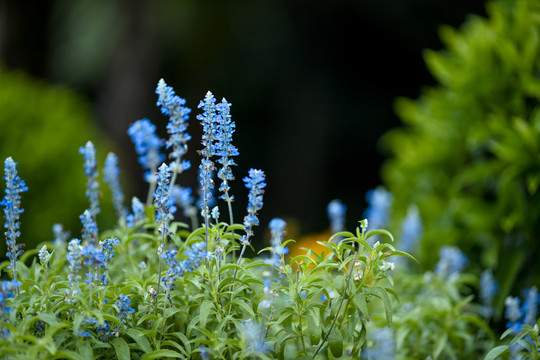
[
  {"x": 468, "y": 155},
  {"x": 41, "y": 125}
]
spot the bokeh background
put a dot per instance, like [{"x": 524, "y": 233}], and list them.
[{"x": 312, "y": 84}]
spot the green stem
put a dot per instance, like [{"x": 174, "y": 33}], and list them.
[{"x": 351, "y": 268}]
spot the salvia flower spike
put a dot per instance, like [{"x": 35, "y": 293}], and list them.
[
  {"x": 173, "y": 106},
  {"x": 12, "y": 211},
  {"x": 111, "y": 175},
  {"x": 91, "y": 172}
]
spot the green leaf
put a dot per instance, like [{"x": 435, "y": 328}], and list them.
[
  {"x": 85, "y": 350},
  {"x": 371, "y": 233},
  {"x": 122, "y": 349},
  {"x": 440, "y": 345},
  {"x": 204, "y": 311},
  {"x": 335, "y": 341},
  {"x": 156, "y": 354},
  {"x": 383, "y": 295},
  {"x": 497, "y": 351},
  {"x": 140, "y": 339}
]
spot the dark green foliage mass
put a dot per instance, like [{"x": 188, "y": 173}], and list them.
[
  {"x": 42, "y": 128},
  {"x": 468, "y": 155}
]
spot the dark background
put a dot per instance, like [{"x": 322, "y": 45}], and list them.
[{"x": 312, "y": 83}]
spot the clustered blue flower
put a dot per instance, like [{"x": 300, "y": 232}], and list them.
[
  {"x": 451, "y": 262},
  {"x": 161, "y": 197},
  {"x": 12, "y": 210},
  {"x": 336, "y": 211},
  {"x": 513, "y": 314},
  {"x": 107, "y": 253},
  {"x": 378, "y": 211},
  {"x": 277, "y": 230},
  {"x": 173, "y": 106},
  {"x": 530, "y": 306},
  {"x": 210, "y": 125},
  {"x": 138, "y": 212},
  {"x": 411, "y": 230},
  {"x": 488, "y": 289},
  {"x": 255, "y": 183},
  {"x": 73, "y": 256},
  {"x": 177, "y": 269},
  {"x": 91, "y": 172},
  {"x": 147, "y": 146},
  {"x": 90, "y": 230},
  {"x": 111, "y": 175},
  {"x": 224, "y": 148},
  {"x": 124, "y": 307},
  {"x": 206, "y": 184},
  {"x": 8, "y": 289}
]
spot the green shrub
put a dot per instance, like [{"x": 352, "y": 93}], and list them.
[
  {"x": 468, "y": 155},
  {"x": 41, "y": 127}
]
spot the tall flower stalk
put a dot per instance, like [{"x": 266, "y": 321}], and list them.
[
  {"x": 173, "y": 106},
  {"x": 163, "y": 215},
  {"x": 111, "y": 175},
  {"x": 91, "y": 172},
  {"x": 147, "y": 146},
  {"x": 12, "y": 210},
  {"x": 209, "y": 121}
]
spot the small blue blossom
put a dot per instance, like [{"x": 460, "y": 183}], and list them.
[
  {"x": 173, "y": 106},
  {"x": 224, "y": 147},
  {"x": 378, "y": 211},
  {"x": 184, "y": 198},
  {"x": 336, "y": 211},
  {"x": 147, "y": 146},
  {"x": 277, "y": 230},
  {"x": 383, "y": 347},
  {"x": 255, "y": 183},
  {"x": 12, "y": 210},
  {"x": 93, "y": 258},
  {"x": 60, "y": 236},
  {"x": 204, "y": 353},
  {"x": 74, "y": 258},
  {"x": 530, "y": 306},
  {"x": 206, "y": 184},
  {"x": 8, "y": 289},
  {"x": 90, "y": 230},
  {"x": 161, "y": 198},
  {"x": 107, "y": 252},
  {"x": 124, "y": 307},
  {"x": 215, "y": 213},
  {"x": 44, "y": 256},
  {"x": 513, "y": 314},
  {"x": 411, "y": 230},
  {"x": 177, "y": 269},
  {"x": 111, "y": 175},
  {"x": 488, "y": 289},
  {"x": 210, "y": 124},
  {"x": 138, "y": 212},
  {"x": 253, "y": 337},
  {"x": 91, "y": 172},
  {"x": 451, "y": 262}
]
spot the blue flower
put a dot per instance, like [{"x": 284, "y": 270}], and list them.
[
  {"x": 255, "y": 183},
  {"x": 513, "y": 314},
  {"x": 277, "y": 230},
  {"x": 138, "y": 212},
  {"x": 12, "y": 210},
  {"x": 204, "y": 353},
  {"x": 184, "y": 198},
  {"x": 60, "y": 236},
  {"x": 206, "y": 184},
  {"x": 177, "y": 269},
  {"x": 224, "y": 147},
  {"x": 124, "y": 307},
  {"x": 451, "y": 262},
  {"x": 380, "y": 203},
  {"x": 147, "y": 146},
  {"x": 90, "y": 230},
  {"x": 336, "y": 211},
  {"x": 161, "y": 197},
  {"x": 173, "y": 106},
  {"x": 91, "y": 172},
  {"x": 111, "y": 175},
  {"x": 8, "y": 289},
  {"x": 210, "y": 124},
  {"x": 488, "y": 289},
  {"x": 530, "y": 306},
  {"x": 411, "y": 230},
  {"x": 107, "y": 252},
  {"x": 74, "y": 258}
]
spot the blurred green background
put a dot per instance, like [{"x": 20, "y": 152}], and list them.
[{"x": 312, "y": 85}]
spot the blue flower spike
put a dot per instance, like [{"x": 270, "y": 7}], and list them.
[
  {"x": 12, "y": 211},
  {"x": 111, "y": 175},
  {"x": 91, "y": 172},
  {"x": 255, "y": 183}
]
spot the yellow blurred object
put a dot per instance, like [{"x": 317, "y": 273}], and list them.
[{"x": 309, "y": 241}]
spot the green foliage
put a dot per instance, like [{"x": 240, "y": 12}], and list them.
[
  {"x": 41, "y": 127},
  {"x": 319, "y": 302},
  {"x": 468, "y": 155}
]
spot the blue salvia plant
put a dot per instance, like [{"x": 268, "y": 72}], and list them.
[
  {"x": 378, "y": 211},
  {"x": 111, "y": 175},
  {"x": 148, "y": 147},
  {"x": 91, "y": 172},
  {"x": 12, "y": 211},
  {"x": 213, "y": 304}
]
